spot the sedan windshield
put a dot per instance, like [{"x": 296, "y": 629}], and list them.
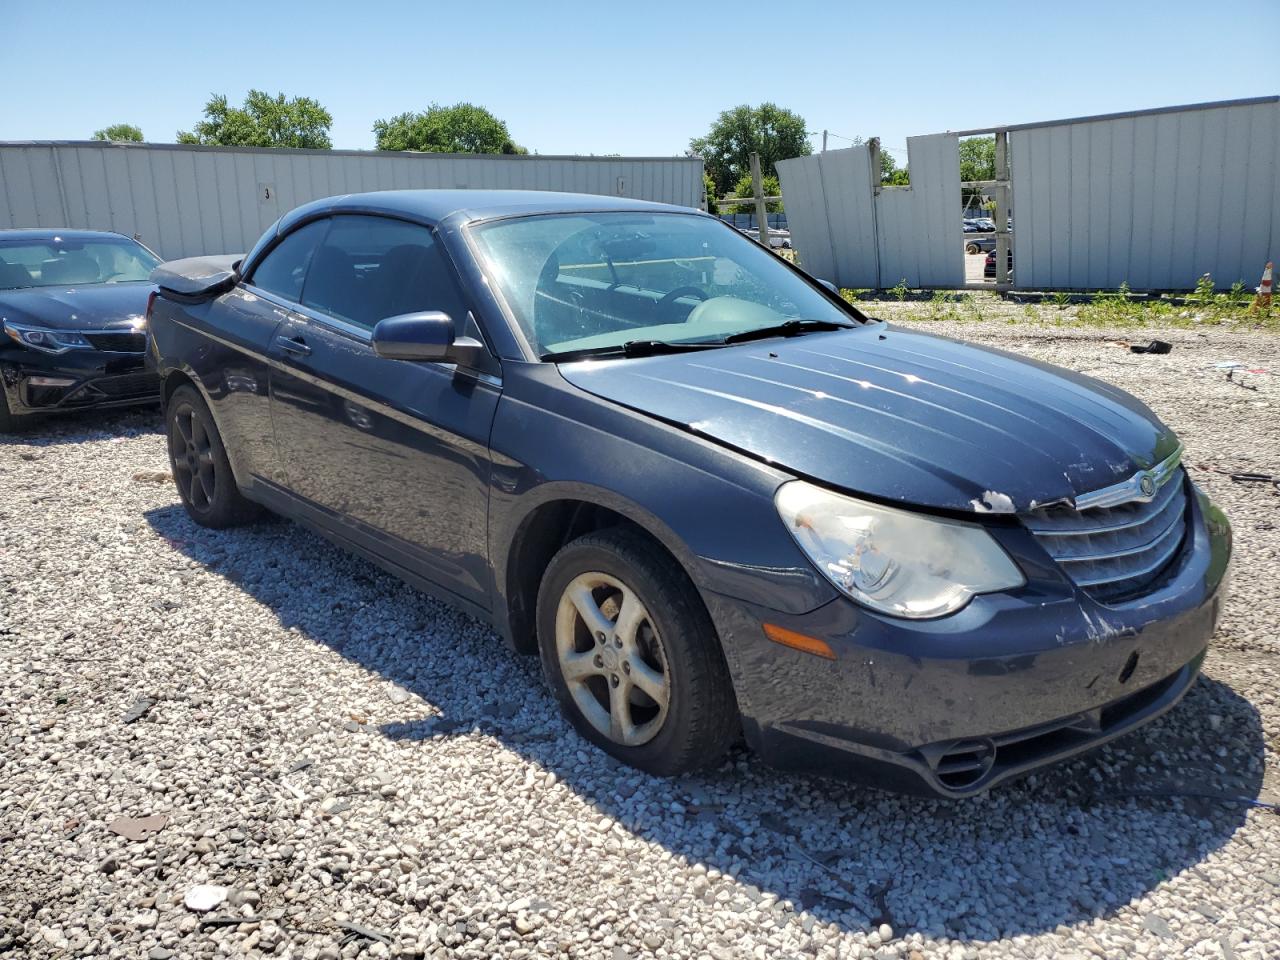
[
  {"x": 55, "y": 262},
  {"x": 593, "y": 282}
]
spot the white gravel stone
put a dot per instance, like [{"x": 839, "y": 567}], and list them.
[
  {"x": 204, "y": 897},
  {"x": 467, "y": 820}
]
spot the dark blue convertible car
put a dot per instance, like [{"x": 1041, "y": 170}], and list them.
[{"x": 716, "y": 498}]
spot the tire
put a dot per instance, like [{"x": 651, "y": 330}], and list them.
[
  {"x": 201, "y": 470},
  {"x": 8, "y": 422},
  {"x": 972, "y": 248},
  {"x": 671, "y": 638}
]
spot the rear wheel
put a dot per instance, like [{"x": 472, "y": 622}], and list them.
[
  {"x": 200, "y": 466},
  {"x": 632, "y": 656}
]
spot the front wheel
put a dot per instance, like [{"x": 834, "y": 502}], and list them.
[
  {"x": 201, "y": 469},
  {"x": 8, "y": 422},
  {"x": 632, "y": 656}
]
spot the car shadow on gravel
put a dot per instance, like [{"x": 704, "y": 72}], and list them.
[
  {"x": 87, "y": 426},
  {"x": 1070, "y": 844}
]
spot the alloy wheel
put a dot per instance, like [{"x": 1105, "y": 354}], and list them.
[
  {"x": 191, "y": 453},
  {"x": 612, "y": 659}
]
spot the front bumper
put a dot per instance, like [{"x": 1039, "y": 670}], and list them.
[
  {"x": 82, "y": 379},
  {"x": 953, "y": 706}
]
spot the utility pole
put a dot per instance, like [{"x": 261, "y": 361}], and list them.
[
  {"x": 824, "y": 141},
  {"x": 757, "y": 191}
]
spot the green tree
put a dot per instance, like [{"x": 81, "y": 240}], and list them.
[
  {"x": 461, "y": 128},
  {"x": 709, "y": 186},
  {"x": 978, "y": 158},
  {"x": 773, "y": 132},
  {"x": 119, "y": 133},
  {"x": 772, "y": 188},
  {"x": 263, "y": 121},
  {"x": 891, "y": 174},
  {"x": 977, "y": 162}
]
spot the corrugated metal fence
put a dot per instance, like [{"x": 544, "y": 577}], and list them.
[
  {"x": 187, "y": 201},
  {"x": 850, "y": 230},
  {"x": 1153, "y": 198}
]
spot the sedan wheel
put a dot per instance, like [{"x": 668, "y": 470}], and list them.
[
  {"x": 612, "y": 659},
  {"x": 632, "y": 656}
]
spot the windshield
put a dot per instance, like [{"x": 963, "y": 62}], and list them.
[
  {"x": 587, "y": 281},
  {"x": 54, "y": 262}
]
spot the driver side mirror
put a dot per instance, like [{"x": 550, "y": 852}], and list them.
[
  {"x": 428, "y": 336},
  {"x": 829, "y": 285}
]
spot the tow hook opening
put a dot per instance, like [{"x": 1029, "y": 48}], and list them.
[
  {"x": 964, "y": 763},
  {"x": 1129, "y": 666}
]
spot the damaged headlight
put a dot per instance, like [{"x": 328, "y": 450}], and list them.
[
  {"x": 894, "y": 561},
  {"x": 45, "y": 339}
]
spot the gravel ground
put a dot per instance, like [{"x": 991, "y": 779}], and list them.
[{"x": 358, "y": 769}]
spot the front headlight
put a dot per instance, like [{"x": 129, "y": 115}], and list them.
[
  {"x": 894, "y": 561},
  {"x": 45, "y": 339}
]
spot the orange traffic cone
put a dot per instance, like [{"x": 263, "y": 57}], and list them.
[{"x": 1263, "y": 300}]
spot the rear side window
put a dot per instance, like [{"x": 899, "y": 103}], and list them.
[
  {"x": 283, "y": 270},
  {"x": 370, "y": 268}
]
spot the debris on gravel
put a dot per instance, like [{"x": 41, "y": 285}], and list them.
[{"x": 342, "y": 766}]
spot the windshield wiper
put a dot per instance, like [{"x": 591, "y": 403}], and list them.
[
  {"x": 790, "y": 328},
  {"x": 633, "y": 348}
]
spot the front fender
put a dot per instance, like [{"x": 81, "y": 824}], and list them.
[{"x": 710, "y": 507}]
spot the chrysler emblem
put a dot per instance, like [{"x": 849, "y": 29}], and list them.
[{"x": 1147, "y": 485}]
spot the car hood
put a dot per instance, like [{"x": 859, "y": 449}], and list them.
[
  {"x": 897, "y": 415},
  {"x": 87, "y": 307}
]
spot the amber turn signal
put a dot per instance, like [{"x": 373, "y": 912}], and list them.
[{"x": 799, "y": 641}]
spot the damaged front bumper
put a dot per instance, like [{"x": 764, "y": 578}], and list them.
[
  {"x": 37, "y": 383},
  {"x": 956, "y": 705}
]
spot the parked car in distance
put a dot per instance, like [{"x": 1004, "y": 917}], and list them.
[
  {"x": 989, "y": 265},
  {"x": 711, "y": 494},
  {"x": 72, "y": 304},
  {"x": 778, "y": 239},
  {"x": 974, "y": 245}
]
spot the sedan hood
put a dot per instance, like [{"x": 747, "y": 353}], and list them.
[
  {"x": 898, "y": 416},
  {"x": 88, "y": 307}
]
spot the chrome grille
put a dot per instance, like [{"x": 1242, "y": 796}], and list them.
[{"x": 1119, "y": 551}]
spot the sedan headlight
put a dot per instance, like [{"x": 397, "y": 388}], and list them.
[
  {"x": 45, "y": 339},
  {"x": 894, "y": 561}
]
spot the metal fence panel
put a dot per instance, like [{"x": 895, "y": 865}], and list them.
[
  {"x": 850, "y": 200},
  {"x": 920, "y": 234},
  {"x": 186, "y": 201},
  {"x": 807, "y": 216},
  {"x": 1155, "y": 199},
  {"x": 846, "y": 231}
]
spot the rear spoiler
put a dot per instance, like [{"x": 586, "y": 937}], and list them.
[{"x": 197, "y": 278}]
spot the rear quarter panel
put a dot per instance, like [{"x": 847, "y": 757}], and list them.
[{"x": 221, "y": 345}]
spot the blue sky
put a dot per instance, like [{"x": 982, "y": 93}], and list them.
[{"x": 628, "y": 77}]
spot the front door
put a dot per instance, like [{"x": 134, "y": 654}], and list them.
[{"x": 393, "y": 453}]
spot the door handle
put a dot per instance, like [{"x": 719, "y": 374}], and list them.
[{"x": 294, "y": 345}]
